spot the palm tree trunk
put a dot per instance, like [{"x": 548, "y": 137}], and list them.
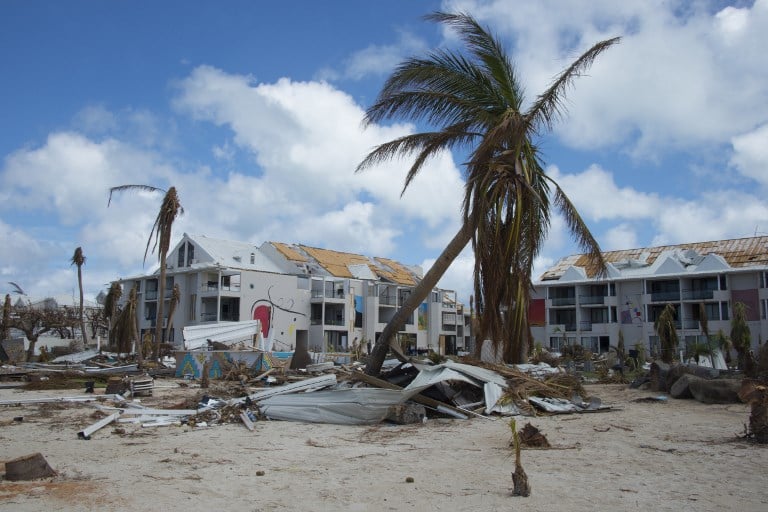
[
  {"x": 419, "y": 293},
  {"x": 82, "y": 317},
  {"x": 160, "y": 307}
]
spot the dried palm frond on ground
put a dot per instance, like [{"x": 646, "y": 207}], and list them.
[
  {"x": 531, "y": 437},
  {"x": 521, "y": 386}
]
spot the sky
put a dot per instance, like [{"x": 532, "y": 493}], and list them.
[{"x": 253, "y": 111}]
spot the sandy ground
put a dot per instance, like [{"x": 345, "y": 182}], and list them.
[{"x": 678, "y": 455}]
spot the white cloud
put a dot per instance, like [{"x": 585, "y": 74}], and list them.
[
  {"x": 678, "y": 80},
  {"x": 307, "y": 138},
  {"x": 751, "y": 154},
  {"x": 598, "y": 197},
  {"x": 379, "y": 60}
]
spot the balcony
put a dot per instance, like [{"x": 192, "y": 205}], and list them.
[
  {"x": 698, "y": 294},
  {"x": 150, "y": 295},
  {"x": 564, "y": 301},
  {"x": 690, "y": 324},
  {"x": 583, "y": 326},
  {"x": 388, "y": 300},
  {"x": 586, "y": 300},
  {"x": 665, "y": 296}
]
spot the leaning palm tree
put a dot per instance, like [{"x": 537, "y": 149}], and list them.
[
  {"x": 666, "y": 329},
  {"x": 78, "y": 258},
  {"x": 475, "y": 101},
  {"x": 161, "y": 231}
]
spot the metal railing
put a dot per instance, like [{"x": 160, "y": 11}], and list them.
[{"x": 564, "y": 301}]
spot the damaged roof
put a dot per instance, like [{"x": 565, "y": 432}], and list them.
[
  {"x": 348, "y": 265},
  {"x": 737, "y": 253}
]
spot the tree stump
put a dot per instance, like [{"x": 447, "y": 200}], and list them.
[
  {"x": 29, "y": 467},
  {"x": 756, "y": 394},
  {"x": 521, "y": 487}
]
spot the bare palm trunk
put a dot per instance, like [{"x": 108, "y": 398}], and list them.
[
  {"x": 160, "y": 309},
  {"x": 82, "y": 317},
  {"x": 419, "y": 293}
]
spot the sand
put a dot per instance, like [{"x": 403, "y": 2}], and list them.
[{"x": 678, "y": 455}]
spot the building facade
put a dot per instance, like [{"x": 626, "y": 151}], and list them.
[
  {"x": 326, "y": 300},
  {"x": 702, "y": 281}
]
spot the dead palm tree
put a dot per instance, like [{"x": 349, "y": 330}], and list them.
[
  {"x": 161, "y": 231},
  {"x": 741, "y": 337},
  {"x": 666, "y": 329},
  {"x": 78, "y": 258},
  {"x": 124, "y": 333},
  {"x": 110, "y": 307},
  {"x": 175, "y": 298},
  {"x": 5, "y": 329},
  {"x": 475, "y": 101}
]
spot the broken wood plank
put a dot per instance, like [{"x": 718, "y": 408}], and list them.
[
  {"x": 247, "y": 421},
  {"x": 86, "y": 432}
]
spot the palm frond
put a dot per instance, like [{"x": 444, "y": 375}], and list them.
[
  {"x": 548, "y": 106},
  {"x": 135, "y": 188}
]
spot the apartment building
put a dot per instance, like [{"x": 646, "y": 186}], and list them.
[
  {"x": 701, "y": 280},
  {"x": 326, "y": 300}
]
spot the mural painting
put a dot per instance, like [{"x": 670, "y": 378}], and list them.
[
  {"x": 276, "y": 315},
  {"x": 631, "y": 312}
]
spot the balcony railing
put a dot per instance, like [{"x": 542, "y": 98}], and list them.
[
  {"x": 584, "y": 326},
  {"x": 213, "y": 287},
  {"x": 150, "y": 295},
  {"x": 564, "y": 301},
  {"x": 591, "y": 299},
  {"x": 388, "y": 300},
  {"x": 690, "y": 324},
  {"x": 665, "y": 296},
  {"x": 334, "y": 321},
  {"x": 698, "y": 294}
]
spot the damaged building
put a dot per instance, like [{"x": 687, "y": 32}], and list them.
[{"x": 326, "y": 300}]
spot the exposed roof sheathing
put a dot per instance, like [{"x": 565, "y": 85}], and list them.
[
  {"x": 347, "y": 265},
  {"x": 395, "y": 272},
  {"x": 738, "y": 253},
  {"x": 289, "y": 252}
]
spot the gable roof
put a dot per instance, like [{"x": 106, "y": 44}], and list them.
[
  {"x": 737, "y": 253},
  {"x": 230, "y": 253}
]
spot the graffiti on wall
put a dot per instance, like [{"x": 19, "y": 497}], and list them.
[
  {"x": 631, "y": 310},
  {"x": 278, "y": 320}
]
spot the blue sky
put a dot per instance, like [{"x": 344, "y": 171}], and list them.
[{"x": 252, "y": 110}]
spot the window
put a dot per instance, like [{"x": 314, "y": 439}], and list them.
[
  {"x": 180, "y": 262},
  {"x": 190, "y": 254},
  {"x": 723, "y": 283},
  {"x": 253, "y": 258},
  {"x": 724, "y": 311}
]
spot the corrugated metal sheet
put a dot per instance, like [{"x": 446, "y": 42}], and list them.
[{"x": 738, "y": 253}]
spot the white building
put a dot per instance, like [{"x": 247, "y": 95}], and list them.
[
  {"x": 324, "y": 299},
  {"x": 571, "y": 304}
]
